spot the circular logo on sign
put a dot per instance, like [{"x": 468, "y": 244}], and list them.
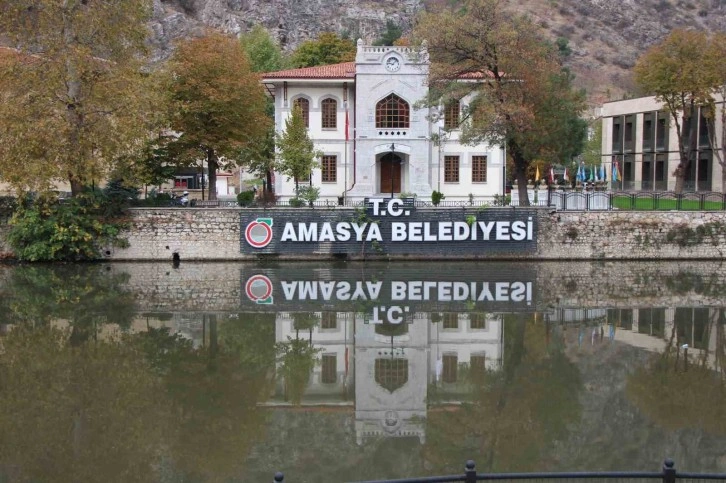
[
  {"x": 259, "y": 289},
  {"x": 259, "y": 233}
]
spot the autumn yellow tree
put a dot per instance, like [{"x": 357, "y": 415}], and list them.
[
  {"x": 72, "y": 89},
  {"x": 217, "y": 104},
  {"x": 516, "y": 91},
  {"x": 684, "y": 72}
]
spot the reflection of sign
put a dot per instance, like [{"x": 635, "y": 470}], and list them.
[
  {"x": 391, "y": 294},
  {"x": 389, "y": 227},
  {"x": 259, "y": 232},
  {"x": 259, "y": 289}
]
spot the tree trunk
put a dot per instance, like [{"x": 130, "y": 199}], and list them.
[
  {"x": 212, "y": 166},
  {"x": 73, "y": 114},
  {"x": 268, "y": 176},
  {"x": 520, "y": 172}
]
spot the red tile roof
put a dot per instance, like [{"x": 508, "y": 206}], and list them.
[{"x": 346, "y": 70}]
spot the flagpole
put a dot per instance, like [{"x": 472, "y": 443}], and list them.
[{"x": 345, "y": 157}]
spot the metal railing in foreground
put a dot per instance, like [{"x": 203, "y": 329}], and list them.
[{"x": 668, "y": 474}]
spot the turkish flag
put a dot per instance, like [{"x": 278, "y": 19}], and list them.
[{"x": 346, "y": 124}]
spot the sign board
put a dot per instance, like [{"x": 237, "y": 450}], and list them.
[{"x": 389, "y": 227}]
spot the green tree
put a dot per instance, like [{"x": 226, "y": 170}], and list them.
[
  {"x": 592, "y": 154},
  {"x": 389, "y": 36},
  {"x": 523, "y": 100},
  {"x": 74, "y": 95},
  {"x": 260, "y": 159},
  {"x": 683, "y": 72},
  {"x": 328, "y": 48},
  {"x": 217, "y": 103},
  {"x": 264, "y": 53},
  {"x": 296, "y": 151}
]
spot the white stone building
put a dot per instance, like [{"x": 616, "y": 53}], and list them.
[
  {"x": 375, "y": 140},
  {"x": 641, "y": 138}
]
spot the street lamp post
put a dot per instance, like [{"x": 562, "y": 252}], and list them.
[{"x": 393, "y": 149}]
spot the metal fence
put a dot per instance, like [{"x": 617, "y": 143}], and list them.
[
  {"x": 633, "y": 200},
  {"x": 557, "y": 199},
  {"x": 668, "y": 474}
]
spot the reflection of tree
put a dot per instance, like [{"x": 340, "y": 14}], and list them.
[
  {"x": 214, "y": 393},
  {"x": 84, "y": 295},
  {"x": 298, "y": 357},
  {"x": 139, "y": 407},
  {"x": 678, "y": 390},
  {"x": 516, "y": 414},
  {"x": 78, "y": 413}
]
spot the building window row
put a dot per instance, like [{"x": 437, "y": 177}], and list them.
[
  {"x": 452, "y": 170},
  {"x": 328, "y": 109}
]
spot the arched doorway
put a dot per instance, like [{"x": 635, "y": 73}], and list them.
[{"x": 391, "y": 173}]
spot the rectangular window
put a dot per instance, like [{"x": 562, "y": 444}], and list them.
[
  {"x": 478, "y": 169},
  {"x": 617, "y": 135},
  {"x": 329, "y": 363},
  {"x": 630, "y": 133},
  {"x": 329, "y": 108},
  {"x": 451, "y": 169},
  {"x": 478, "y": 364},
  {"x": 329, "y": 165},
  {"x": 477, "y": 321},
  {"x": 451, "y": 320},
  {"x": 329, "y": 320},
  {"x": 661, "y": 131},
  {"x": 451, "y": 115},
  {"x": 451, "y": 364},
  {"x": 648, "y": 131}
]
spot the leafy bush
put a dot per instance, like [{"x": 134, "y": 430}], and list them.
[
  {"x": 74, "y": 230},
  {"x": 246, "y": 198},
  {"x": 297, "y": 202},
  {"x": 308, "y": 194},
  {"x": 436, "y": 197}
]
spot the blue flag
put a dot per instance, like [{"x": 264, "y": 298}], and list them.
[{"x": 603, "y": 173}]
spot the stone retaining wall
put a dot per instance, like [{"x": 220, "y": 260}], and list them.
[{"x": 214, "y": 234}]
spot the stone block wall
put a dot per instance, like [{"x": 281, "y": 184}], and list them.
[{"x": 214, "y": 234}]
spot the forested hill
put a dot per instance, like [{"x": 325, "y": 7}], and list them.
[{"x": 605, "y": 36}]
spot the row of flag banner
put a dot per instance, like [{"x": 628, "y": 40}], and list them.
[{"x": 593, "y": 175}]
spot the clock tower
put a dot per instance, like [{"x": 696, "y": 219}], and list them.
[{"x": 393, "y": 153}]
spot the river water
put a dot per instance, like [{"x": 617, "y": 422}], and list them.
[{"x": 342, "y": 372}]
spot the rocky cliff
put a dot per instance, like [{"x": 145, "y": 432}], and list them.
[{"x": 605, "y": 36}]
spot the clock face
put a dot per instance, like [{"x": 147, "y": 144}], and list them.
[{"x": 393, "y": 64}]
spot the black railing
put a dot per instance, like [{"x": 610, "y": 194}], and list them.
[
  {"x": 668, "y": 474},
  {"x": 635, "y": 200},
  {"x": 560, "y": 200}
]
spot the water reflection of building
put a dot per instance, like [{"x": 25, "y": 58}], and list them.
[
  {"x": 652, "y": 328},
  {"x": 386, "y": 372}
]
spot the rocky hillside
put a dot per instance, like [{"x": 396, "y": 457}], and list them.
[{"x": 606, "y": 36}]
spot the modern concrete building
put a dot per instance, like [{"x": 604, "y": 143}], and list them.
[
  {"x": 640, "y": 136},
  {"x": 375, "y": 139}
]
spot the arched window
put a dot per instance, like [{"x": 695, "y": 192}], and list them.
[
  {"x": 305, "y": 108},
  {"x": 392, "y": 112},
  {"x": 329, "y": 108}
]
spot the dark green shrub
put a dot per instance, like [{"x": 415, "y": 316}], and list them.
[
  {"x": 436, "y": 197},
  {"x": 75, "y": 229},
  {"x": 297, "y": 202},
  {"x": 246, "y": 198}
]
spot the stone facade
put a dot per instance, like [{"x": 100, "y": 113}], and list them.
[{"x": 214, "y": 234}]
